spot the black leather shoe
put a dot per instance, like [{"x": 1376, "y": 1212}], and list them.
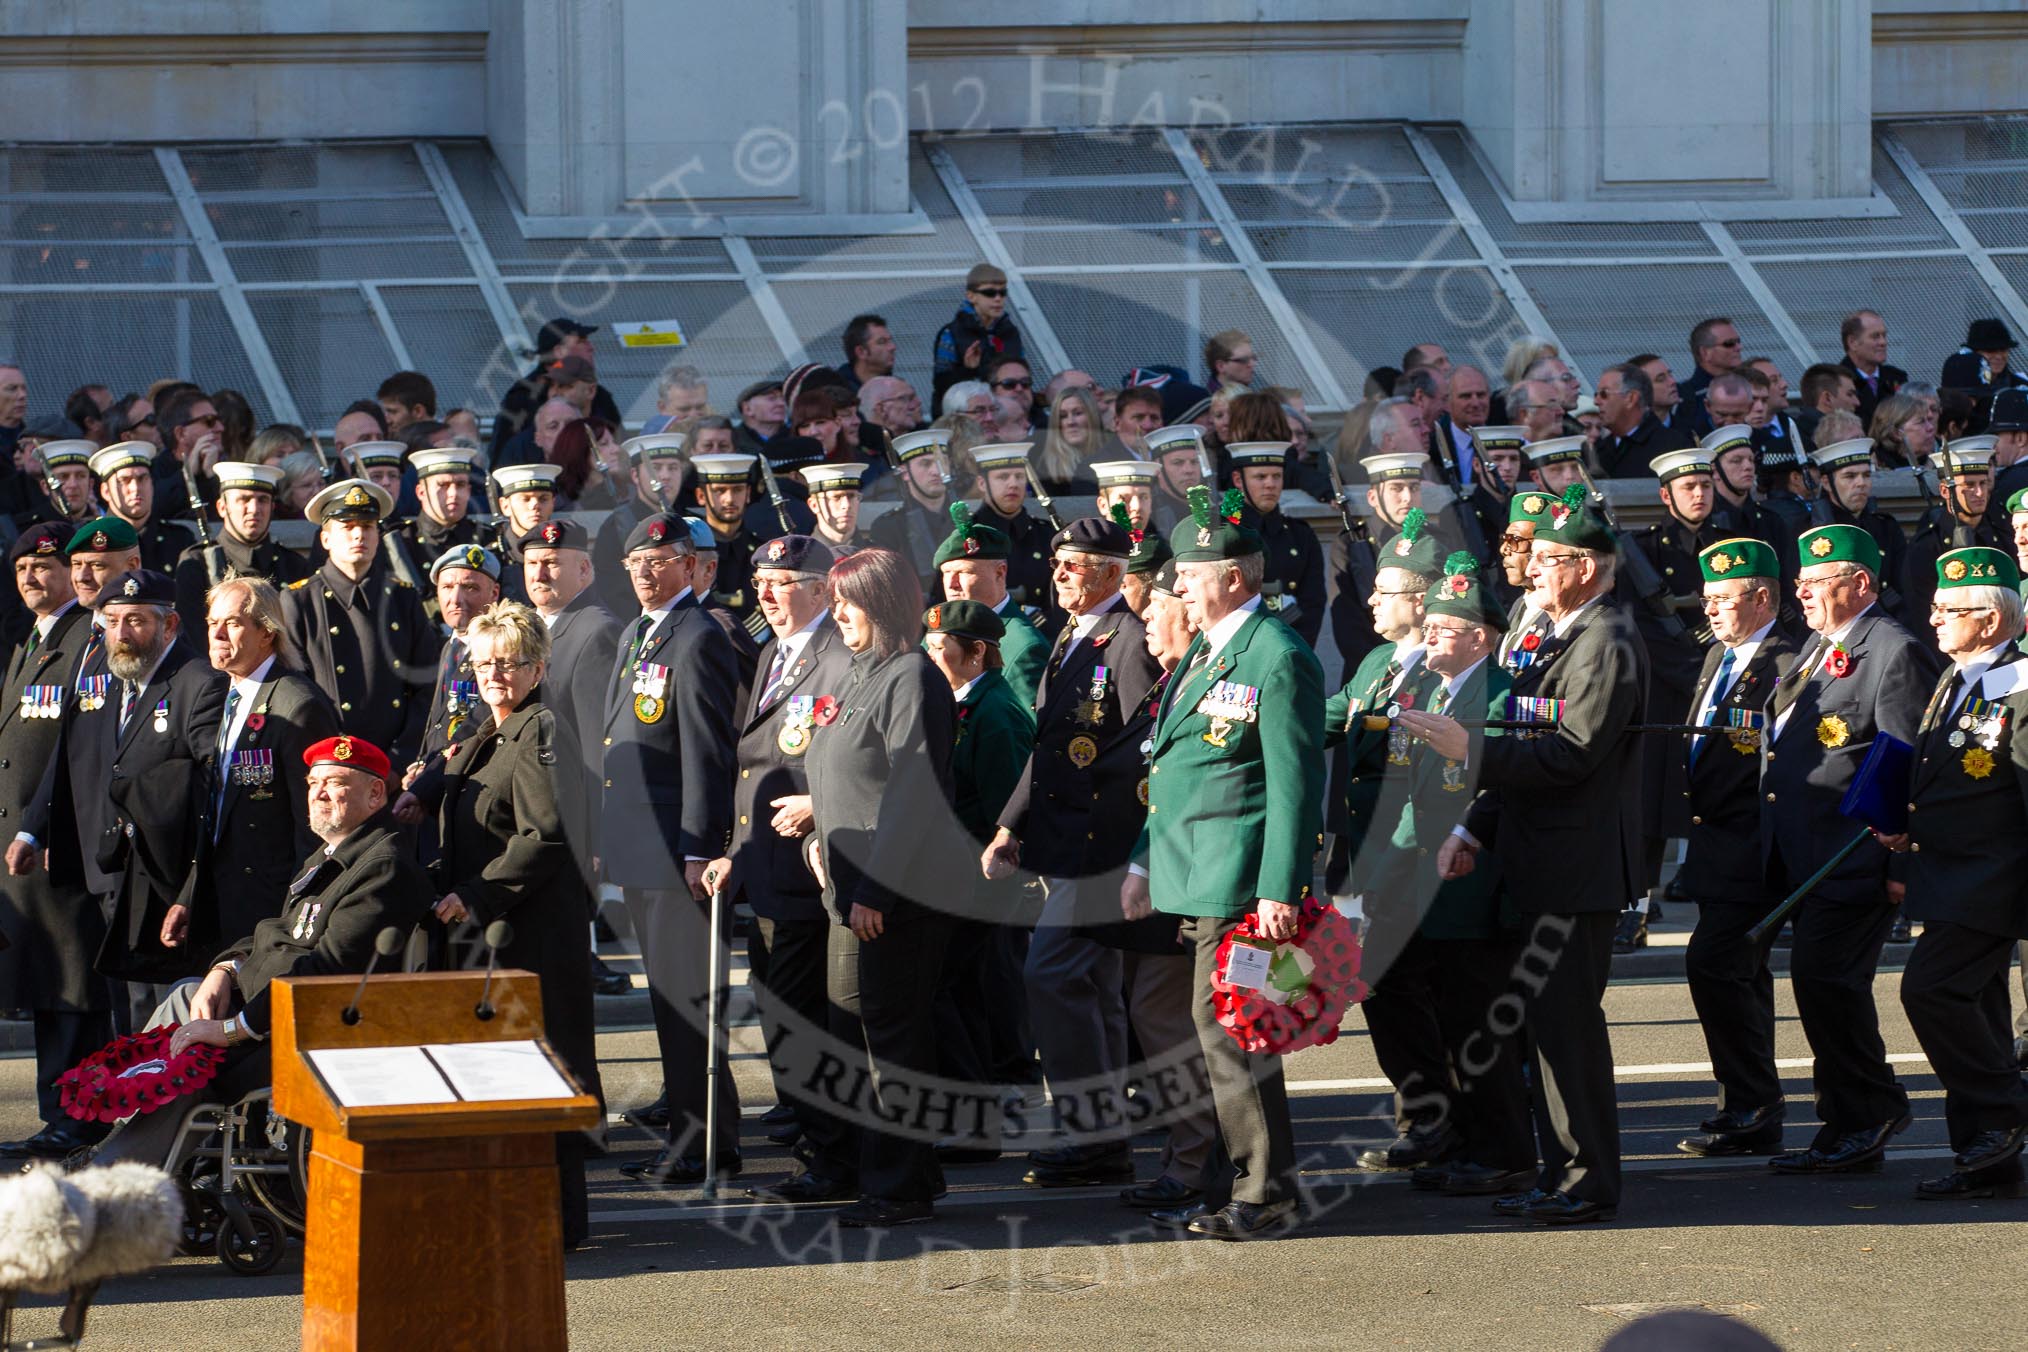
[
  {"x": 1059, "y": 1156},
  {"x": 1164, "y": 1194},
  {"x": 1632, "y": 932},
  {"x": 807, "y": 1186},
  {"x": 1429, "y": 1177},
  {"x": 1246, "y": 1220},
  {"x": 1734, "y": 1121},
  {"x": 777, "y": 1115},
  {"x": 606, "y": 981},
  {"x": 669, "y": 1171},
  {"x": 1757, "y": 1131},
  {"x": 1517, "y": 1204},
  {"x": 1560, "y": 1208},
  {"x": 1083, "y": 1168},
  {"x": 1966, "y": 1185},
  {"x": 1180, "y": 1217},
  {"x": 1414, "y": 1147},
  {"x": 1466, "y": 1179},
  {"x": 966, "y": 1152},
  {"x": 1991, "y": 1148},
  {"x": 2021, "y": 1052},
  {"x": 877, "y": 1213},
  {"x": 53, "y": 1142},
  {"x": 1856, "y": 1152},
  {"x": 654, "y": 1116},
  {"x": 1900, "y": 932}
]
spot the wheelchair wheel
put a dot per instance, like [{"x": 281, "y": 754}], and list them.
[
  {"x": 202, "y": 1214},
  {"x": 256, "y": 1256},
  {"x": 287, "y": 1196}
]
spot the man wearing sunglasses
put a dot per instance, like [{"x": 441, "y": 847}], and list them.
[
  {"x": 1715, "y": 349},
  {"x": 191, "y": 435},
  {"x": 978, "y": 333}
]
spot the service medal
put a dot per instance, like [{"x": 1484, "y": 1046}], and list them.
[
  {"x": 793, "y": 739},
  {"x": 649, "y": 708},
  {"x": 1141, "y": 791},
  {"x": 1833, "y": 731},
  {"x": 1957, "y": 739},
  {"x": 1978, "y": 762},
  {"x": 1082, "y": 752}
]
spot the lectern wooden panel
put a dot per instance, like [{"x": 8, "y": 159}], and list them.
[{"x": 430, "y": 1224}]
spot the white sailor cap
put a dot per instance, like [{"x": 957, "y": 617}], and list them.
[
  {"x": 540, "y": 477},
  {"x": 1113, "y": 473},
  {"x": 1501, "y": 438},
  {"x": 1722, "y": 439},
  {"x": 1001, "y": 454},
  {"x": 909, "y": 445},
  {"x": 1257, "y": 454},
  {"x": 1165, "y": 439},
  {"x": 724, "y": 469},
  {"x": 1554, "y": 450},
  {"x": 1393, "y": 465},
  {"x": 1837, "y": 455},
  {"x": 247, "y": 475},
  {"x": 377, "y": 454},
  {"x": 1673, "y": 465},
  {"x": 832, "y": 478},
  {"x": 654, "y": 446},
  {"x": 446, "y": 460},
  {"x": 116, "y": 457},
  {"x": 1973, "y": 454}
]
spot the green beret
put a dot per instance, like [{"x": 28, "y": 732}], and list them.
[
  {"x": 105, "y": 533},
  {"x": 1207, "y": 538},
  {"x": 1839, "y": 544},
  {"x": 1459, "y": 595},
  {"x": 1530, "y": 505},
  {"x": 1729, "y": 559},
  {"x": 969, "y": 540},
  {"x": 2019, "y": 502},
  {"x": 1572, "y": 522},
  {"x": 964, "y": 619},
  {"x": 1415, "y": 549},
  {"x": 1150, "y": 551},
  {"x": 1978, "y": 566}
]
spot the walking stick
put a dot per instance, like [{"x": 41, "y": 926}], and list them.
[
  {"x": 712, "y": 1008},
  {"x": 1774, "y": 919}
]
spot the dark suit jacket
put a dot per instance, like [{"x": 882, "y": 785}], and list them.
[
  {"x": 1627, "y": 457},
  {"x": 248, "y": 849},
  {"x": 665, "y": 793},
  {"x": 66, "y": 813},
  {"x": 1722, "y": 786},
  {"x": 1565, "y": 811},
  {"x": 334, "y": 909},
  {"x": 584, "y": 643},
  {"x": 1081, "y": 822},
  {"x": 53, "y": 927},
  {"x": 1810, "y": 762},
  {"x": 766, "y": 866},
  {"x": 1969, "y": 817},
  {"x": 388, "y": 652}
]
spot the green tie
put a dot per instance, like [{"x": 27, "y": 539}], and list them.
[{"x": 641, "y": 636}]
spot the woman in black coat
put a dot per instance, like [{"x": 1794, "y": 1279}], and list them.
[
  {"x": 511, "y": 851},
  {"x": 881, "y": 843}
]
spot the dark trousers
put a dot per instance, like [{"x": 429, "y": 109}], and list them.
[
  {"x": 1563, "y": 971},
  {"x": 1246, "y": 1087},
  {"x": 1733, "y": 993},
  {"x": 671, "y": 925},
  {"x": 790, "y": 996},
  {"x": 62, "y": 1039},
  {"x": 883, "y": 1015},
  {"x": 1836, "y": 948},
  {"x": 979, "y": 1038},
  {"x": 1955, "y": 991},
  {"x": 1440, "y": 1041}
]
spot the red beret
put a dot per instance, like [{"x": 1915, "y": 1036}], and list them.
[{"x": 352, "y": 753}]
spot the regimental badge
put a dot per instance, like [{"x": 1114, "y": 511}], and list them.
[
  {"x": 1404, "y": 546},
  {"x": 777, "y": 548},
  {"x": 1821, "y": 546},
  {"x": 342, "y": 751},
  {"x": 656, "y": 530},
  {"x": 1978, "y": 762},
  {"x": 1954, "y": 571},
  {"x": 1532, "y": 505},
  {"x": 1221, "y": 728},
  {"x": 1454, "y": 776},
  {"x": 356, "y": 498},
  {"x": 1723, "y": 563},
  {"x": 99, "y": 540},
  {"x": 552, "y": 533},
  {"x": 133, "y": 588},
  {"x": 935, "y": 618},
  {"x": 1141, "y": 791},
  {"x": 1204, "y": 537},
  {"x": 649, "y": 708},
  {"x": 475, "y": 556},
  {"x": 1833, "y": 732},
  {"x": 1082, "y": 752},
  {"x": 971, "y": 546},
  {"x": 1090, "y": 714}
]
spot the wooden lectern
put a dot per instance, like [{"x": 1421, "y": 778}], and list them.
[{"x": 432, "y": 1224}]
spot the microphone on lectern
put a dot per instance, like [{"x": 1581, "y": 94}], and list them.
[
  {"x": 499, "y": 934},
  {"x": 385, "y": 945}
]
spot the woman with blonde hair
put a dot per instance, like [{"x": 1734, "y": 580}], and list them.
[
  {"x": 1075, "y": 434},
  {"x": 1903, "y": 431}
]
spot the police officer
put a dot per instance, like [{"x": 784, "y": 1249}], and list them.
[
  {"x": 126, "y": 480},
  {"x": 724, "y": 490},
  {"x": 1968, "y": 874},
  {"x": 443, "y": 490},
  {"x": 526, "y": 498},
  {"x": 1294, "y": 589},
  {"x": 1967, "y": 516},
  {"x": 972, "y": 564},
  {"x": 241, "y": 546},
  {"x": 913, "y": 528},
  {"x": 363, "y": 633},
  {"x": 1730, "y": 984},
  {"x": 655, "y": 468},
  {"x": 1003, "y": 478}
]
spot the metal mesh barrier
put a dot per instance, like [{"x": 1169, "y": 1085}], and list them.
[
  {"x": 450, "y": 334},
  {"x": 1113, "y": 322},
  {"x": 1607, "y": 314},
  {"x": 914, "y": 308},
  {"x": 1927, "y": 303},
  {"x": 1360, "y": 319},
  {"x": 125, "y": 341},
  {"x": 328, "y": 345}
]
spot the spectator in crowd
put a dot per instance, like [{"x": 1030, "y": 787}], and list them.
[
  {"x": 1730, "y": 398},
  {"x": 979, "y": 332},
  {"x": 1827, "y": 387},
  {"x": 1984, "y": 364},
  {"x": 1714, "y": 350},
  {"x": 1903, "y": 431},
  {"x": 762, "y": 414},
  {"x": 406, "y": 397},
  {"x": 275, "y": 442},
  {"x": 561, "y": 337},
  {"x": 1427, "y": 355},
  {"x": 816, "y": 417},
  {"x": 132, "y": 418},
  {"x": 302, "y": 477},
  {"x": 362, "y": 420},
  {"x": 1470, "y": 400},
  {"x": 1011, "y": 379},
  {"x": 681, "y": 396},
  {"x": 1064, "y": 380},
  {"x": 1534, "y": 406},
  {"x": 1552, "y": 371},
  {"x": 464, "y": 425},
  {"x": 13, "y": 407},
  {"x": 1522, "y": 353},
  {"x": 86, "y": 407},
  {"x": 533, "y": 445},
  {"x": 1136, "y": 412},
  {"x": 1864, "y": 336},
  {"x": 1070, "y": 445},
  {"x": 190, "y": 436},
  {"x": 1229, "y": 359},
  {"x": 891, "y": 405},
  {"x": 1632, "y": 435},
  {"x": 235, "y": 423},
  {"x": 1668, "y": 395},
  {"x": 869, "y": 351},
  {"x": 587, "y": 456},
  {"x": 973, "y": 399}
]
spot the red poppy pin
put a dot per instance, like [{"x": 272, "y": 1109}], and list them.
[
  {"x": 256, "y": 721},
  {"x": 1459, "y": 584},
  {"x": 824, "y": 711},
  {"x": 1100, "y": 640},
  {"x": 1530, "y": 642},
  {"x": 1405, "y": 700},
  {"x": 1838, "y": 662}
]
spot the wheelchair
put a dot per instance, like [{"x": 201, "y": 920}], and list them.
[{"x": 244, "y": 1171}]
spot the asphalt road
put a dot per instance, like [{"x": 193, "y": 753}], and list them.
[{"x": 1842, "y": 1263}]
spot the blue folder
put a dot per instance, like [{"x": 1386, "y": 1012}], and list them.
[{"x": 1878, "y": 796}]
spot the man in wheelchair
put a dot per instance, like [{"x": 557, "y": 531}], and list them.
[{"x": 363, "y": 881}]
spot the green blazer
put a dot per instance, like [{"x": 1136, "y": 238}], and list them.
[
  {"x": 1229, "y": 824},
  {"x": 996, "y": 733},
  {"x": 1373, "y": 784},
  {"x": 1438, "y": 792},
  {"x": 1025, "y": 653}
]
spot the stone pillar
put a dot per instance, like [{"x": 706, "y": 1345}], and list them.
[
  {"x": 1636, "y": 109},
  {"x": 789, "y": 111}
]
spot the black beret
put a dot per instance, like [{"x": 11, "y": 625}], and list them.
[
  {"x": 555, "y": 534},
  {"x": 794, "y": 554},
  {"x": 45, "y": 538},
  {"x": 142, "y": 587},
  {"x": 787, "y": 453},
  {"x": 663, "y": 528},
  {"x": 1093, "y": 535}
]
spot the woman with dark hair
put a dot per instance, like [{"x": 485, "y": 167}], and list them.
[
  {"x": 1257, "y": 416},
  {"x": 235, "y": 424},
  {"x": 584, "y": 451},
  {"x": 880, "y": 802},
  {"x": 815, "y": 415}
]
